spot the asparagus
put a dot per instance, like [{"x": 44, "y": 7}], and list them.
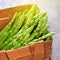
[
  {"x": 17, "y": 25},
  {"x": 43, "y": 24},
  {"x": 23, "y": 43},
  {"x": 41, "y": 38},
  {"x": 4, "y": 32},
  {"x": 19, "y": 22},
  {"x": 33, "y": 35},
  {"x": 20, "y": 42},
  {"x": 32, "y": 9},
  {"x": 8, "y": 27},
  {"x": 44, "y": 30},
  {"x": 16, "y": 36},
  {"x": 21, "y": 35},
  {"x": 15, "y": 29},
  {"x": 27, "y": 23},
  {"x": 7, "y": 33},
  {"x": 36, "y": 31},
  {"x": 31, "y": 14}
]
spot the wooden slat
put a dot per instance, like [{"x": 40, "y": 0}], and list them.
[
  {"x": 20, "y": 54},
  {"x": 48, "y": 48},
  {"x": 37, "y": 51},
  {"x": 3, "y": 55},
  {"x": 47, "y": 58}
]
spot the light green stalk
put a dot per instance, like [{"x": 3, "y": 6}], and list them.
[
  {"x": 6, "y": 35},
  {"x": 21, "y": 35},
  {"x": 4, "y": 32},
  {"x": 42, "y": 38}
]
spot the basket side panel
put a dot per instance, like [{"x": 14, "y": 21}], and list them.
[
  {"x": 48, "y": 48},
  {"x": 3, "y": 55},
  {"x": 29, "y": 57},
  {"x": 22, "y": 53},
  {"x": 37, "y": 51},
  {"x": 47, "y": 58}
]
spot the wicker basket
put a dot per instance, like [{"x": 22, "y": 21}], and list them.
[{"x": 39, "y": 51}]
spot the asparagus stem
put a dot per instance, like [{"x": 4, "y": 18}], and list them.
[
  {"x": 18, "y": 23},
  {"x": 21, "y": 43},
  {"x": 22, "y": 40},
  {"x": 21, "y": 35},
  {"x": 43, "y": 37},
  {"x": 27, "y": 23},
  {"x": 4, "y": 32},
  {"x": 37, "y": 30},
  {"x": 8, "y": 27}
]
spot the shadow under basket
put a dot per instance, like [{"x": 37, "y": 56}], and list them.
[{"x": 39, "y": 51}]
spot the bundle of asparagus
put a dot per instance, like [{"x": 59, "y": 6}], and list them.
[{"x": 25, "y": 28}]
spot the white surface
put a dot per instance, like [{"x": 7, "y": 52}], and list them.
[{"x": 53, "y": 9}]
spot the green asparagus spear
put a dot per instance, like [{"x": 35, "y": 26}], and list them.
[
  {"x": 16, "y": 36},
  {"x": 8, "y": 27},
  {"x": 42, "y": 15},
  {"x": 44, "y": 30},
  {"x": 7, "y": 33},
  {"x": 21, "y": 35},
  {"x": 41, "y": 38},
  {"x": 36, "y": 22},
  {"x": 17, "y": 25},
  {"x": 4, "y": 32},
  {"x": 21, "y": 42},
  {"x": 42, "y": 24},
  {"x": 25, "y": 29},
  {"x": 28, "y": 23},
  {"x": 28, "y": 19},
  {"x": 36, "y": 31},
  {"x": 34, "y": 8}
]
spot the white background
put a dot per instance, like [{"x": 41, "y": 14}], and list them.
[{"x": 53, "y": 9}]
